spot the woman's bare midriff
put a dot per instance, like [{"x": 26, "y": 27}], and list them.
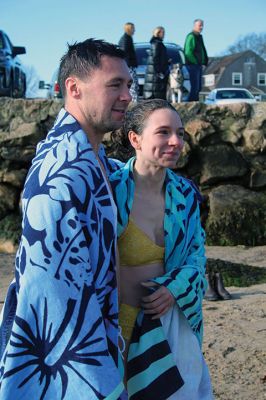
[{"x": 131, "y": 290}]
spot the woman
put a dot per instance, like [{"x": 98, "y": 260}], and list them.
[
  {"x": 162, "y": 272},
  {"x": 157, "y": 71}
]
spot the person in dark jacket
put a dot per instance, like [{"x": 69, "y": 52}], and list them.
[
  {"x": 126, "y": 44},
  {"x": 196, "y": 56},
  {"x": 157, "y": 71}
]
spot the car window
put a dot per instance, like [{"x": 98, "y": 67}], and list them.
[
  {"x": 233, "y": 94},
  {"x": 8, "y": 43},
  {"x": 142, "y": 55},
  {"x": 174, "y": 54}
]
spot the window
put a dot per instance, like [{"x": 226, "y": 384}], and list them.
[
  {"x": 237, "y": 78},
  {"x": 209, "y": 80},
  {"x": 250, "y": 60},
  {"x": 261, "y": 79}
]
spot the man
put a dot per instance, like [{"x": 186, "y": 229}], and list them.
[
  {"x": 61, "y": 339},
  {"x": 196, "y": 56},
  {"x": 126, "y": 44}
]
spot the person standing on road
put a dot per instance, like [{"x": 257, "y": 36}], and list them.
[
  {"x": 59, "y": 332},
  {"x": 127, "y": 45},
  {"x": 157, "y": 72},
  {"x": 196, "y": 56}
]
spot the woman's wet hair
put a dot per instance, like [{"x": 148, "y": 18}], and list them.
[{"x": 135, "y": 120}]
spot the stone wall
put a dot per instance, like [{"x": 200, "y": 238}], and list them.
[{"x": 225, "y": 154}]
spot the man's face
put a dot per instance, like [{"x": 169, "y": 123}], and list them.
[
  {"x": 198, "y": 26},
  {"x": 104, "y": 96},
  {"x": 132, "y": 30}
]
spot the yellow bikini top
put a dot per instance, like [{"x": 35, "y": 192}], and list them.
[{"x": 136, "y": 248}]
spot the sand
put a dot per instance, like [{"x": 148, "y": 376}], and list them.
[{"x": 235, "y": 330}]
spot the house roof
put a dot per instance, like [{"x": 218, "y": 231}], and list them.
[{"x": 216, "y": 64}]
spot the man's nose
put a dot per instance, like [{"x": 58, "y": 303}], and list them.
[{"x": 125, "y": 95}]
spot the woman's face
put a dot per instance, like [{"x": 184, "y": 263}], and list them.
[
  {"x": 161, "y": 141},
  {"x": 161, "y": 34}
]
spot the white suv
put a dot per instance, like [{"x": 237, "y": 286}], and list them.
[{"x": 175, "y": 53}]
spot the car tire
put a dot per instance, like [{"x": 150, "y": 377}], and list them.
[
  {"x": 24, "y": 86},
  {"x": 16, "y": 93}
]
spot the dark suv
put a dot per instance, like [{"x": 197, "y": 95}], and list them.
[
  {"x": 174, "y": 52},
  {"x": 12, "y": 74}
]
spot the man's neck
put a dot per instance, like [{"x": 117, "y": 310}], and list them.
[{"x": 95, "y": 138}]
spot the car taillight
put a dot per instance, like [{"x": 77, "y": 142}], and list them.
[{"x": 56, "y": 88}]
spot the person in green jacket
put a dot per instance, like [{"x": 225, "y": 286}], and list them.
[{"x": 196, "y": 56}]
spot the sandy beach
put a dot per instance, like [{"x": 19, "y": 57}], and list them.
[{"x": 235, "y": 330}]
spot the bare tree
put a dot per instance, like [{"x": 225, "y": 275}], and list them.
[{"x": 251, "y": 41}]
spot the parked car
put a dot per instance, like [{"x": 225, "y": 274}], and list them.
[
  {"x": 12, "y": 73},
  {"x": 175, "y": 53},
  {"x": 229, "y": 96},
  {"x": 54, "y": 91}
]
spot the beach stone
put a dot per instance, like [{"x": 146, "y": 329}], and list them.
[{"x": 237, "y": 216}]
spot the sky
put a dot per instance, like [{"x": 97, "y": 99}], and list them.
[{"x": 45, "y": 27}]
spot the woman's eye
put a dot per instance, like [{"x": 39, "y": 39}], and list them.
[{"x": 180, "y": 134}]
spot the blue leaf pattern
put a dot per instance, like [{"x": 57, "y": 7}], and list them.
[{"x": 65, "y": 330}]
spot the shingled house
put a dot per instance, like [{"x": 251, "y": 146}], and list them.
[{"x": 245, "y": 69}]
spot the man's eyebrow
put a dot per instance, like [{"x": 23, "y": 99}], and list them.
[{"x": 118, "y": 80}]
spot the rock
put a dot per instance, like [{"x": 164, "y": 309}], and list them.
[
  {"x": 184, "y": 157},
  {"x": 7, "y": 246},
  {"x": 10, "y": 231},
  {"x": 258, "y": 179},
  {"x": 224, "y": 145},
  {"x": 220, "y": 163},
  {"x": 17, "y": 154},
  {"x": 198, "y": 130},
  {"x": 237, "y": 216},
  {"x": 15, "y": 178},
  {"x": 258, "y": 117},
  {"x": 8, "y": 199},
  {"x": 231, "y": 130},
  {"x": 254, "y": 141}
]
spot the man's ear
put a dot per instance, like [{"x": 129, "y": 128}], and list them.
[
  {"x": 135, "y": 140},
  {"x": 72, "y": 87}
]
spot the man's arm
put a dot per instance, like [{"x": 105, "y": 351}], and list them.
[{"x": 189, "y": 49}]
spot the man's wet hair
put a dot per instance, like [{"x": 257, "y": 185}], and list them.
[{"x": 83, "y": 57}]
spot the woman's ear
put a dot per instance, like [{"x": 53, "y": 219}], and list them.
[{"x": 135, "y": 140}]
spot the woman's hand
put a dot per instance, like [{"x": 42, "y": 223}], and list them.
[{"x": 157, "y": 303}]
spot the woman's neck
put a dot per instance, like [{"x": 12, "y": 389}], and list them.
[{"x": 148, "y": 178}]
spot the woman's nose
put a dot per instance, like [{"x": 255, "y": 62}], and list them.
[{"x": 176, "y": 140}]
